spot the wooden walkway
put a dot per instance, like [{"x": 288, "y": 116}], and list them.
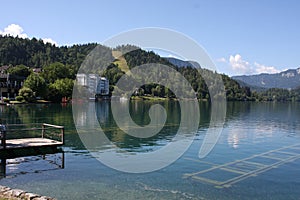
[{"x": 46, "y": 139}]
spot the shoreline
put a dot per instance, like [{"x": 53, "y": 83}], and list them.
[
  {"x": 143, "y": 98},
  {"x": 7, "y": 193}
]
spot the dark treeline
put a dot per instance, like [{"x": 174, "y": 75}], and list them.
[
  {"x": 35, "y": 53},
  {"x": 279, "y": 94}
]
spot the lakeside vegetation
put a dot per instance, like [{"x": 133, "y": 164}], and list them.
[{"x": 50, "y": 72}]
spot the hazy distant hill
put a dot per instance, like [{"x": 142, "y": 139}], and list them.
[
  {"x": 288, "y": 79},
  {"x": 181, "y": 63},
  {"x": 252, "y": 87}
]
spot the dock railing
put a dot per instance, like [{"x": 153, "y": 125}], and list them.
[
  {"x": 61, "y": 129},
  {"x": 33, "y": 130}
]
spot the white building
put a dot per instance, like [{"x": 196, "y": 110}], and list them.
[
  {"x": 82, "y": 79},
  {"x": 92, "y": 83},
  {"x": 103, "y": 86},
  {"x": 96, "y": 85}
]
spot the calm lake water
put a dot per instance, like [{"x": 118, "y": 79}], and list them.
[{"x": 256, "y": 157}]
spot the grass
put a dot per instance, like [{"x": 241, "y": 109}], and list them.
[
  {"x": 150, "y": 98},
  {"x": 23, "y": 102},
  {"x": 120, "y": 61},
  {"x": 16, "y": 102},
  {"x": 42, "y": 101}
]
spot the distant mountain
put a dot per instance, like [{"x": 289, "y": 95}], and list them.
[
  {"x": 288, "y": 79},
  {"x": 252, "y": 87},
  {"x": 181, "y": 63}
]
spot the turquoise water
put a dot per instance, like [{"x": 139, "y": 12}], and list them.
[{"x": 256, "y": 156}]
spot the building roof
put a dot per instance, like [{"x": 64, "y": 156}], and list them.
[{"x": 11, "y": 77}]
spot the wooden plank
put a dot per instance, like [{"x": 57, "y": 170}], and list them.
[
  {"x": 31, "y": 143},
  {"x": 52, "y": 125}
]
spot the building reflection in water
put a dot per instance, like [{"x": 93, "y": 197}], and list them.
[{"x": 86, "y": 115}]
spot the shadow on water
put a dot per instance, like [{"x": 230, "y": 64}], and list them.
[{"x": 24, "y": 161}]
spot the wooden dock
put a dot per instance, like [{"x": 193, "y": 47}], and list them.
[
  {"x": 50, "y": 136},
  {"x": 31, "y": 142}
]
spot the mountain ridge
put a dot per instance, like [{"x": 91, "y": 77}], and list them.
[
  {"x": 182, "y": 63},
  {"x": 288, "y": 79}
]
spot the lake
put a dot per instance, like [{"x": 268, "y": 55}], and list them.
[{"x": 257, "y": 155}]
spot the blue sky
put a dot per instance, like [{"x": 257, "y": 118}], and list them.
[{"x": 241, "y": 36}]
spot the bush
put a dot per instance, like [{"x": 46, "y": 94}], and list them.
[
  {"x": 20, "y": 98},
  {"x": 27, "y": 94}
]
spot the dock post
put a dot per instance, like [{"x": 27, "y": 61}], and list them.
[
  {"x": 63, "y": 160},
  {"x": 62, "y": 131},
  {"x": 3, "y": 136},
  {"x": 4, "y": 139},
  {"x": 43, "y": 130},
  {"x": 3, "y": 168}
]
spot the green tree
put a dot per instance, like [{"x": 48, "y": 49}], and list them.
[
  {"x": 53, "y": 94},
  {"x": 27, "y": 94},
  {"x": 113, "y": 73},
  {"x": 64, "y": 87},
  {"x": 37, "y": 84},
  {"x": 56, "y": 71},
  {"x": 59, "y": 89},
  {"x": 19, "y": 70}
]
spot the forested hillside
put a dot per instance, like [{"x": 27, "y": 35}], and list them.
[
  {"x": 35, "y": 53},
  {"x": 59, "y": 66},
  {"x": 197, "y": 77}
]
